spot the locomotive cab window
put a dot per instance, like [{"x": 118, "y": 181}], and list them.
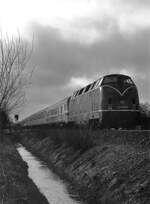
[
  {"x": 117, "y": 80},
  {"x": 128, "y": 81},
  {"x": 109, "y": 80}
]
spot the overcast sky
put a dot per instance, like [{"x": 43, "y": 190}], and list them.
[{"x": 77, "y": 41}]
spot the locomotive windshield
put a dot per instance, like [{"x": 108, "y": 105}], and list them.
[{"x": 117, "y": 79}]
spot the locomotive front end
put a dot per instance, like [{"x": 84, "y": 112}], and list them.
[{"x": 120, "y": 102}]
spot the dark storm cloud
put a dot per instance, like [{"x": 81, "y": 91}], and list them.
[{"x": 58, "y": 60}]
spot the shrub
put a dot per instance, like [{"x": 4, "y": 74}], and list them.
[
  {"x": 145, "y": 109},
  {"x": 145, "y": 115}
]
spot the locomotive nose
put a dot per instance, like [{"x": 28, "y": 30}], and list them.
[
  {"x": 120, "y": 109},
  {"x": 113, "y": 99}
]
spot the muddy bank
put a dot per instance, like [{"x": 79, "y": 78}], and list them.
[
  {"x": 108, "y": 172},
  {"x": 15, "y": 185}
]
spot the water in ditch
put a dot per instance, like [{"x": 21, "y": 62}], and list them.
[{"x": 49, "y": 184}]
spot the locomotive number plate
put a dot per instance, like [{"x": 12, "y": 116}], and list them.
[
  {"x": 122, "y": 102},
  {"x": 122, "y": 105}
]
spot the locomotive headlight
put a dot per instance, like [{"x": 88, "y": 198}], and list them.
[
  {"x": 110, "y": 103},
  {"x": 133, "y": 103},
  {"x": 122, "y": 102}
]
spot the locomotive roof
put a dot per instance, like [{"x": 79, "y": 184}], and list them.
[{"x": 115, "y": 75}]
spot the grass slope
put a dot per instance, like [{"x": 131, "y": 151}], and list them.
[{"x": 114, "y": 169}]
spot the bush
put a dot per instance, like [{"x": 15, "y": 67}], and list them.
[
  {"x": 80, "y": 139},
  {"x": 145, "y": 109},
  {"x": 77, "y": 138},
  {"x": 145, "y": 115}
]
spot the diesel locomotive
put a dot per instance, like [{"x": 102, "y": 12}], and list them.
[{"x": 112, "y": 101}]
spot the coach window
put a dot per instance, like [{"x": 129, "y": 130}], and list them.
[
  {"x": 61, "y": 109},
  {"x": 110, "y": 79},
  {"x": 65, "y": 107}
]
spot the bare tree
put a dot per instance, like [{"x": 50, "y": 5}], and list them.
[{"x": 14, "y": 56}]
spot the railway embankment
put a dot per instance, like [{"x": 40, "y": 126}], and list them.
[
  {"x": 15, "y": 185},
  {"x": 104, "y": 167}
]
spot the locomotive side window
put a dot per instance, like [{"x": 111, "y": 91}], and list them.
[
  {"x": 87, "y": 88},
  {"x": 98, "y": 83},
  {"x": 80, "y": 91},
  {"x": 95, "y": 84},
  {"x": 92, "y": 86}
]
